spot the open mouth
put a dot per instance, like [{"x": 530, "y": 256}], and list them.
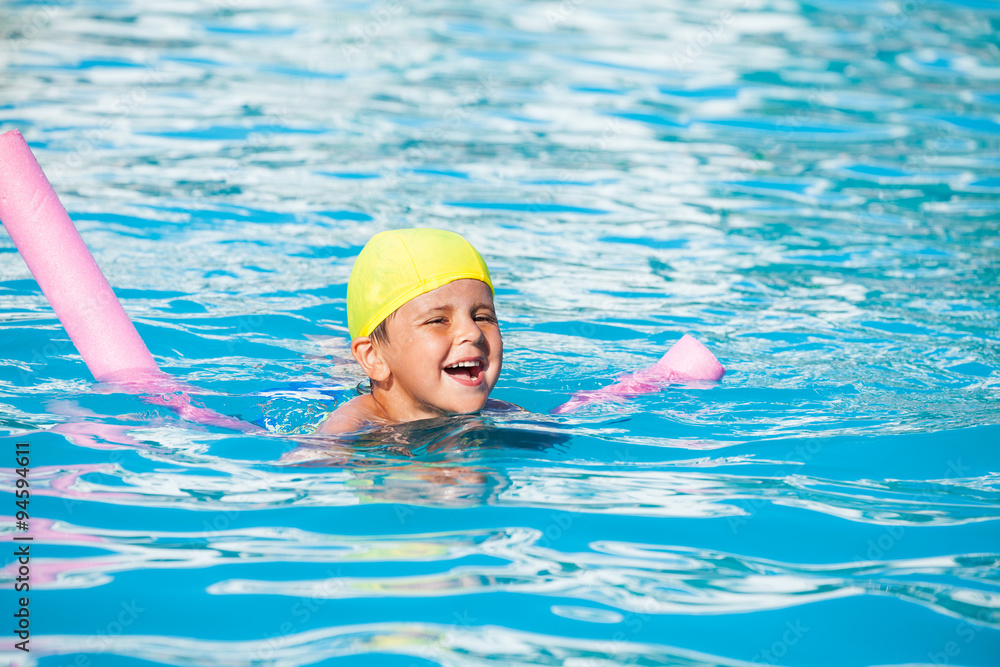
[{"x": 467, "y": 372}]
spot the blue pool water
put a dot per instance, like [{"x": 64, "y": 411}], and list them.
[{"x": 811, "y": 189}]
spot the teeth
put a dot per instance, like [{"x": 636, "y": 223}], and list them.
[{"x": 464, "y": 364}]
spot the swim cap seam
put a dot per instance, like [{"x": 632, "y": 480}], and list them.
[
  {"x": 413, "y": 262},
  {"x": 371, "y": 324}
]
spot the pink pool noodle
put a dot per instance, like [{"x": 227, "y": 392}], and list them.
[
  {"x": 688, "y": 360},
  {"x": 64, "y": 268},
  {"x": 79, "y": 293}
]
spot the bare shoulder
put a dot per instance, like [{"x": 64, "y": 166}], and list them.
[
  {"x": 496, "y": 405},
  {"x": 351, "y": 416}
]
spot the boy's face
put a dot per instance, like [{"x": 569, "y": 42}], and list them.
[{"x": 444, "y": 352}]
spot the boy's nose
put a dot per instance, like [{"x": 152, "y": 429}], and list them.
[{"x": 469, "y": 330}]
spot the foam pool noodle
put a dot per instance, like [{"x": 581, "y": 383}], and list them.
[
  {"x": 65, "y": 270},
  {"x": 77, "y": 290},
  {"x": 686, "y": 361}
]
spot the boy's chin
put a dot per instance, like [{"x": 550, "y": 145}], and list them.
[{"x": 466, "y": 407}]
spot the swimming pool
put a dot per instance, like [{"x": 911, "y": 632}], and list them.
[{"x": 811, "y": 189}]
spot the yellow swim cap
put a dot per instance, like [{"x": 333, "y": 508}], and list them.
[{"x": 399, "y": 265}]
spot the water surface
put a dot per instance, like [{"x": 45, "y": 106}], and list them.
[{"x": 811, "y": 189}]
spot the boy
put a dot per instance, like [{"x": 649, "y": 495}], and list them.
[{"x": 423, "y": 328}]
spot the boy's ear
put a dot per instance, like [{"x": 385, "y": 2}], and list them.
[{"x": 371, "y": 361}]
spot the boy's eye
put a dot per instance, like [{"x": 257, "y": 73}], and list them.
[{"x": 485, "y": 318}]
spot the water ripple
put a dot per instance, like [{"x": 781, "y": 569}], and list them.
[
  {"x": 810, "y": 190},
  {"x": 442, "y": 644}
]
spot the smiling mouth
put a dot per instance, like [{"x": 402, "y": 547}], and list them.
[{"x": 467, "y": 372}]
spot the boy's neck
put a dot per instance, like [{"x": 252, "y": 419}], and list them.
[{"x": 393, "y": 408}]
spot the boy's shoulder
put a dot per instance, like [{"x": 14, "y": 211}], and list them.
[
  {"x": 496, "y": 405},
  {"x": 351, "y": 416},
  {"x": 362, "y": 411}
]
